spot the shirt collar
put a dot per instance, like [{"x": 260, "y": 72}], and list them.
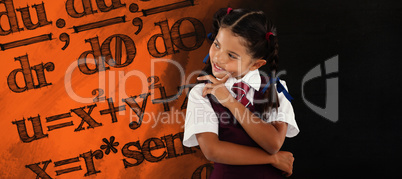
[{"x": 252, "y": 78}]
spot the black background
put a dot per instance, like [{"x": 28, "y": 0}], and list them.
[{"x": 366, "y": 140}]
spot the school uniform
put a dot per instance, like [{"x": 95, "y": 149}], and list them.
[{"x": 206, "y": 114}]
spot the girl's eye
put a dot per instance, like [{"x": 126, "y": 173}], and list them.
[
  {"x": 232, "y": 56},
  {"x": 216, "y": 45}
]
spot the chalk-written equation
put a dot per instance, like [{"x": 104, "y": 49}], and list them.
[
  {"x": 101, "y": 52},
  {"x": 110, "y": 145},
  {"x": 72, "y": 12},
  {"x": 79, "y": 118},
  {"x": 132, "y": 157},
  {"x": 84, "y": 112}
]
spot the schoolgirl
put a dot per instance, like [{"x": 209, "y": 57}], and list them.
[{"x": 236, "y": 114}]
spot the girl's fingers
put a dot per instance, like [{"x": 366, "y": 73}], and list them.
[
  {"x": 207, "y": 89},
  {"x": 208, "y": 85},
  {"x": 224, "y": 79},
  {"x": 213, "y": 79},
  {"x": 208, "y": 77}
]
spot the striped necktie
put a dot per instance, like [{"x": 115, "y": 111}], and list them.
[{"x": 241, "y": 89}]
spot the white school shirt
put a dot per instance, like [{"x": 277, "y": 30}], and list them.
[{"x": 201, "y": 117}]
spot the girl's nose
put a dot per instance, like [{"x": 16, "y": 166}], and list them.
[{"x": 219, "y": 59}]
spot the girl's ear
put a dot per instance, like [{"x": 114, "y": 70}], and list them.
[{"x": 257, "y": 64}]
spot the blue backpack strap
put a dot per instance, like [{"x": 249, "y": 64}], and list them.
[
  {"x": 279, "y": 87},
  {"x": 206, "y": 58}
]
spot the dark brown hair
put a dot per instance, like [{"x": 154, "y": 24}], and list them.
[{"x": 252, "y": 26}]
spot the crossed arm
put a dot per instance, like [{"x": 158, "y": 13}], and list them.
[
  {"x": 230, "y": 153},
  {"x": 270, "y": 136},
  {"x": 236, "y": 154}
]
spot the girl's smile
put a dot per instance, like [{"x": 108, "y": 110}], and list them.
[
  {"x": 229, "y": 55},
  {"x": 217, "y": 68}
]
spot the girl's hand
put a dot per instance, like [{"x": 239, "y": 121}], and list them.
[
  {"x": 217, "y": 88},
  {"x": 284, "y": 162}
]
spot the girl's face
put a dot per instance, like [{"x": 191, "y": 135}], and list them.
[{"x": 228, "y": 55}]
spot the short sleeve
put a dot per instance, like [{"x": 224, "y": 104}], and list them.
[
  {"x": 285, "y": 113},
  {"x": 200, "y": 116}
]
